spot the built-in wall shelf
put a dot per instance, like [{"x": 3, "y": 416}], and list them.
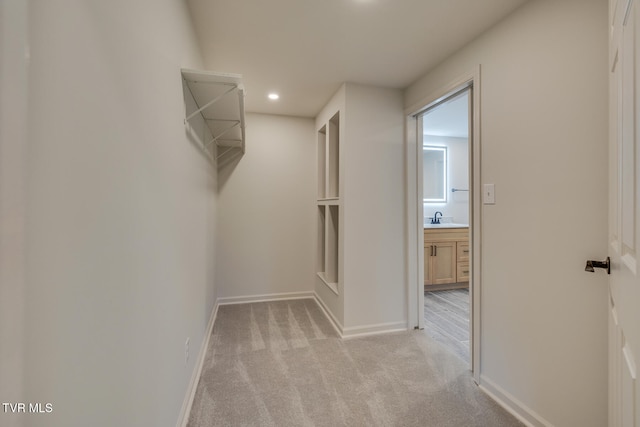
[
  {"x": 219, "y": 102},
  {"x": 332, "y": 285},
  {"x": 328, "y": 231},
  {"x": 329, "y": 159},
  {"x": 328, "y": 203}
]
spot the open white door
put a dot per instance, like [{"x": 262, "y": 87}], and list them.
[{"x": 624, "y": 215}]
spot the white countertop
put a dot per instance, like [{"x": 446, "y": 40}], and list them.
[{"x": 446, "y": 225}]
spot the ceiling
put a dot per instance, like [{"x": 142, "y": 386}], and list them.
[
  {"x": 450, "y": 118},
  {"x": 305, "y": 49}
]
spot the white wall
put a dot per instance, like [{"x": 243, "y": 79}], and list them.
[
  {"x": 120, "y": 214},
  {"x": 13, "y": 139},
  {"x": 374, "y": 260},
  {"x": 543, "y": 141},
  {"x": 266, "y": 217},
  {"x": 456, "y": 208},
  {"x": 372, "y": 293}
]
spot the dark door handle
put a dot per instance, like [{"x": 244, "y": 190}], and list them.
[{"x": 592, "y": 265}]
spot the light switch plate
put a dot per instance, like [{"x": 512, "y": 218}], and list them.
[{"x": 489, "y": 194}]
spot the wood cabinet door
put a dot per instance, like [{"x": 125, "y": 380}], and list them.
[{"x": 443, "y": 263}]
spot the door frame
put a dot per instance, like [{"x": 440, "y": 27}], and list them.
[{"x": 414, "y": 210}]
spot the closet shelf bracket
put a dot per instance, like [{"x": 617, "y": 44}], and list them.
[
  {"x": 210, "y": 103},
  {"x": 218, "y": 138},
  {"x": 222, "y": 113}
]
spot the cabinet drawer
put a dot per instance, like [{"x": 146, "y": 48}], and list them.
[
  {"x": 463, "y": 251},
  {"x": 463, "y": 272},
  {"x": 446, "y": 234}
]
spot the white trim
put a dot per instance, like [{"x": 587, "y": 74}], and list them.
[
  {"x": 476, "y": 229},
  {"x": 265, "y": 297},
  {"x": 185, "y": 411},
  {"x": 512, "y": 405},
  {"x": 443, "y": 92},
  {"x": 359, "y": 331},
  {"x": 331, "y": 285},
  {"x": 414, "y": 250},
  {"x": 380, "y": 328},
  {"x": 414, "y": 246},
  {"x": 329, "y": 315}
]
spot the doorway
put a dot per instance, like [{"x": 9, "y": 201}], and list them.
[
  {"x": 444, "y": 133},
  {"x": 423, "y": 258}
]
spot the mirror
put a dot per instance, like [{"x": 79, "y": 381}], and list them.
[{"x": 434, "y": 174}]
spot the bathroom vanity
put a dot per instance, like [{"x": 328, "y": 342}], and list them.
[{"x": 446, "y": 256}]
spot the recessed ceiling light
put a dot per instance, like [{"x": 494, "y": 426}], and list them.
[{"x": 274, "y": 96}]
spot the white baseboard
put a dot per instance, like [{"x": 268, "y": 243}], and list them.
[
  {"x": 329, "y": 315},
  {"x": 377, "y": 329},
  {"x": 265, "y": 297},
  {"x": 183, "y": 418},
  {"x": 512, "y": 405},
  {"x": 359, "y": 331}
]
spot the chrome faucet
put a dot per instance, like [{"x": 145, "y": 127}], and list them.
[{"x": 435, "y": 219}]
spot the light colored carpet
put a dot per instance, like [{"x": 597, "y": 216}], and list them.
[{"x": 282, "y": 364}]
